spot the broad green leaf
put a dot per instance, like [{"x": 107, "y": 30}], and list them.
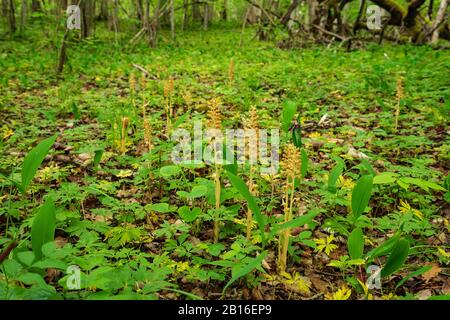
[
  {"x": 245, "y": 269},
  {"x": 355, "y": 244},
  {"x": 198, "y": 191},
  {"x": 31, "y": 279},
  {"x": 384, "y": 248},
  {"x": 361, "y": 195},
  {"x": 397, "y": 258},
  {"x": 189, "y": 215},
  {"x": 423, "y": 184},
  {"x": 242, "y": 188},
  {"x": 334, "y": 175},
  {"x": 180, "y": 120},
  {"x": 416, "y": 273},
  {"x": 385, "y": 178},
  {"x": 33, "y": 160},
  {"x": 43, "y": 228},
  {"x": 160, "y": 207},
  {"x": 304, "y": 169},
  {"x": 169, "y": 171},
  {"x": 50, "y": 263},
  {"x": 97, "y": 158},
  {"x": 26, "y": 257},
  {"x": 288, "y": 113},
  {"x": 294, "y": 223}
]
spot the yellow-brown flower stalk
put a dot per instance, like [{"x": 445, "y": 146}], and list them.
[
  {"x": 252, "y": 123},
  {"x": 399, "y": 96},
  {"x": 231, "y": 71},
  {"x": 143, "y": 82},
  {"x": 215, "y": 121},
  {"x": 168, "y": 93},
  {"x": 291, "y": 169},
  {"x": 132, "y": 83},
  {"x": 125, "y": 122}
]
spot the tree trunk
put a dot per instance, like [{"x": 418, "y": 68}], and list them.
[
  {"x": 206, "y": 17},
  {"x": 185, "y": 14},
  {"x": 12, "y": 17},
  {"x": 224, "y": 10},
  {"x": 23, "y": 14},
  {"x": 439, "y": 18},
  {"x": 36, "y": 5},
  {"x": 103, "y": 15},
  {"x": 172, "y": 18},
  {"x": 140, "y": 11}
]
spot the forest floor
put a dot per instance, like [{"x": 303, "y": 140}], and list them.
[{"x": 139, "y": 227}]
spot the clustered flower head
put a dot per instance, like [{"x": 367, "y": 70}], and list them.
[
  {"x": 214, "y": 114},
  {"x": 132, "y": 81},
  {"x": 143, "y": 82},
  {"x": 291, "y": 163},
  {"x": 252, "y": 122},
  {"x": 400, "y": 93},
  {"x": 231, "y": 70},
  {"x": 169, "y": 87}
]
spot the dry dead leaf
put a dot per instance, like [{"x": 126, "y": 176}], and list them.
[{"x": 433, "y": 272}]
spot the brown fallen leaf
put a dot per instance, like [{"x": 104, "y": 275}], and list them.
[
  {"x": 318, "y": 283},
  {"x": 433, "y": 272}
]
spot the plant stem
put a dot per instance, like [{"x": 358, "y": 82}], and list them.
[{"x": 217, "y": 196}]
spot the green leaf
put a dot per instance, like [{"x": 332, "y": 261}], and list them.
[
  {"x": 294, "y": 223},
  {"x": 97, "y": 158},
  {"x": 187, "y": 214},
  {"x": 198, "y": 191},
  {"x": 384, "y": 248},
  {"x": 43, "y": 228},
  {"x": 169, "y": 171},
  {"x": 242, "y": 188},
  {"x": 334, "y": 175},
  {"x": 355, "y": 244},
  {"x": 26, "y": 257},
  {"x": 33, "y": 160},
  {"x": 288, "y": 113},
  {"x": 304, "y": 169},
  {"x": 180, "y": 120},
  {"x": 241, "y": 271},
  {"x": 416, "y": 273},
  {"x": 361, "y": 195},
  {"x": 160, "y": 207},
  {"x": 385, "y": 178},
  {"x": 423, "y": 184},
  {"x": 50, "y": 263},
  {"x": 397, "y": 258}
]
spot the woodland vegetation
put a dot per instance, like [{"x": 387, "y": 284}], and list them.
[{"x": 94, "y": 204}]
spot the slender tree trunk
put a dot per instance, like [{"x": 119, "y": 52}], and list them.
[
  {"x": 224, "y": 11},
  {"x": 430, "y": 9},
  {"x": 36, "y": 5},
  {"x": 206, "y": 17},
  {"x": 140, "y": 10},
  {"x": 196, "y": 16},
  {"x": 12, "y": 17},
  {"x": 185, "y": 14},
  {"x": 172, "y": 18},
  {"x": 103, "y": 15},
  {"x": 23, "y": 15},
  {"x": 439, "y": 18}
]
